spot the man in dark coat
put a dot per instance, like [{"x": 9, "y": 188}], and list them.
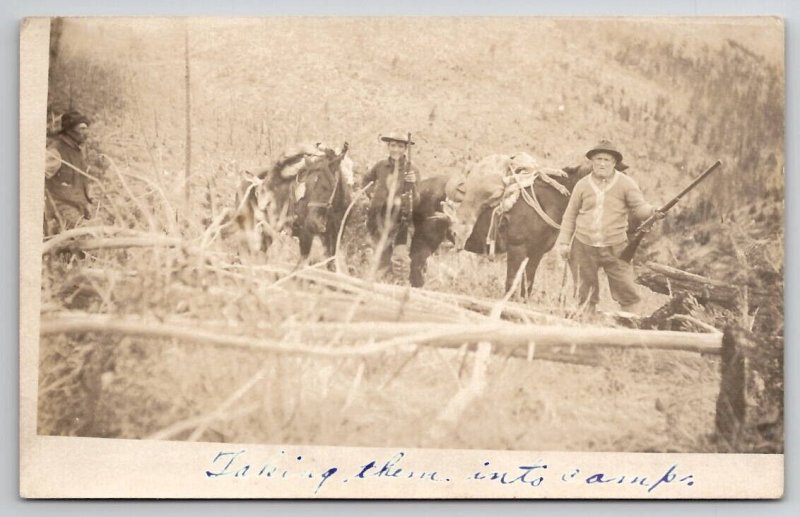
[
  {"x": 394, "y": 196},
  {"x": 67, "y": 198}
]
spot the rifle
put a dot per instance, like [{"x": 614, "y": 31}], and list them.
[
  {"x": 630, "y": 250},
  {"x": 405, "y": 213},
  {"x": 408, "y": 161}
]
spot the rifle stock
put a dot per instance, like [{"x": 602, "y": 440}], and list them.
[{"x": 630, "y": 250}]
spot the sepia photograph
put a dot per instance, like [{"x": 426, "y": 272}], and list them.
[{"x": 475, "y": 234}]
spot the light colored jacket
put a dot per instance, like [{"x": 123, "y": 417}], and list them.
[{"x": 597, "y": 213}]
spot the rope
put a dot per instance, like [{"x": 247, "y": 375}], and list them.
[
  {"x": 528, "y": 196},
  {"x": 533, "y": 201}
]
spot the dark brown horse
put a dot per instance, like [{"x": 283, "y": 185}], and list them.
[
  {"x": 429, "y": 231},
  {"x": 320, "y": 200},
  {"x": 521, "y": 231}
]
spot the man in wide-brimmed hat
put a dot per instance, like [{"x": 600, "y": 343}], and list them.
[
  {"x": 594, "y": 228},
  {"x": 393, "y": 197},
  {"x": 67, "y": 198}
]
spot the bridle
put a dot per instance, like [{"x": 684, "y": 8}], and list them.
[{"x": 337, "y": 176}]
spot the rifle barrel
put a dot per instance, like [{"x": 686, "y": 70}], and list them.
[
  {"x": 645, "y": 225},
  {"x": 692, "y": 185}
]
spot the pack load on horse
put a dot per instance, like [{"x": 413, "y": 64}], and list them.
[
  {"x": 267, "y": 201},
  {"x": 511, "y": 204}
]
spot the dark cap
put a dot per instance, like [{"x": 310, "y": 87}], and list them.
[{"x": 72, "y": 119}]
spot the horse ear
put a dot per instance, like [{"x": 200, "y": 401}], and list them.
[{"x": 336, "y": 159}]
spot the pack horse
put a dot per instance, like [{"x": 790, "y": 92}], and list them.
[
  {"x": 306, "y": 191},
  {"x": 512, "y": 205}
]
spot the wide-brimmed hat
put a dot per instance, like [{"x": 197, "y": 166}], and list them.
[
  {"x": 397, "y": 137},
  {"x": 605, "y": 146},
  {"x": 72, "y": 119}
]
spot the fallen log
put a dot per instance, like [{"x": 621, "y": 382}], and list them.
[
  {"x": 109, "y": 324},
  {"x": 668, "y": 280},
  {"x": 383, "y": 336},
  {"x": 63, "y": 239},
  {"x": 511, "y": 335}
]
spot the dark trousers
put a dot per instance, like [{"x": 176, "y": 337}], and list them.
[
  {"x": 585, "y": 262},
  {"x": 60, "y": 216},
  {"x": 397, "y": 231}
]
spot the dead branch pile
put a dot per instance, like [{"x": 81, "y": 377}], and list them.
[
  {"x": 132, "y": 288},
  {"x": 346, "y": 309}
]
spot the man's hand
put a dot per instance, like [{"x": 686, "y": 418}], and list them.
[
  {"x": 563, "y": 251},
  {"x": 658, "y": 214},
  {"x": 410, "y": 177}
]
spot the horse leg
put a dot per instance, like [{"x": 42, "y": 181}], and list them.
[
  {"x": 420, "y": 251},
  {"x": 516, "y": 254},
  {"x": 305, "y": 238},
  {"x": 534, "y": 258},
  {"x": 329, "y": 239}
]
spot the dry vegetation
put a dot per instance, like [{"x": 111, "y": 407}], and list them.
[{"x": 466, "y": 90}]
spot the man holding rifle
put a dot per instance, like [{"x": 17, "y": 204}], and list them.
[
  {"x": 394, "y": 196},
  {"x": 593, "y": 230}
]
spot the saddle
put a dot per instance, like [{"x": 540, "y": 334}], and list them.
[{"x": 520, "y": 184}]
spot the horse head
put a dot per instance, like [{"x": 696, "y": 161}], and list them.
[
  {"x": 575, "y": 173},
  {"x": 325, "y": 180}
]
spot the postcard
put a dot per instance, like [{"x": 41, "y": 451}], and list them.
[{"x": 407, "y": 258}]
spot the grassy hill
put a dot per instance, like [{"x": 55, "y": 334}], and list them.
[{"x": 675, "y": 96}]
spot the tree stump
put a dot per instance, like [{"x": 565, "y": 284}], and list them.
[{"x": 749, "y": 411}]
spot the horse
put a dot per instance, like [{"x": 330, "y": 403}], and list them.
[
  {"x": 269, "y": 201},
  {"x": 525, "y": 227},
  {"x": 320, "y": 198}
]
